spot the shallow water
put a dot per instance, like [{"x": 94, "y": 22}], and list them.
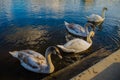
[{"x": 37, "y": 24}]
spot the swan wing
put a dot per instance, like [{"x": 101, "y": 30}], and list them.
[
  {"x": 77, "y": 44},
  {"x": 65, "y": 49},
  {"x": 80, "y": 28},
  {"x": 76, "y": 29},
  {"x": 95, "y": 18},
  {"x": 31, "y": 52},
  {"x": 32, "y": 61}
]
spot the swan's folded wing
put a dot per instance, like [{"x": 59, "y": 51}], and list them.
[
  {"x": 31, "y": 52},
  {"x": 65, "y": 49},
  {"x": 78, "y": 45},
  {"x": 31, "y": 58},
  {"x": 31, "y": 62},
  {"x": 95, "y": 18},
  {"x": 35, "y": 62}
]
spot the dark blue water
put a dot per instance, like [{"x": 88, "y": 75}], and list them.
[{"x": 37, "y": 24}]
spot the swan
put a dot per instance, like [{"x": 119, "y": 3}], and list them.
[
  {"x": 97, "y": 19},
  {"x": 35, "y": 61},
  {"x": 77, "y": 45},
  {"x": 78, "y": 30}
]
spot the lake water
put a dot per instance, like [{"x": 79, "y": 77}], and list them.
[{"x": 37, "y": 24}]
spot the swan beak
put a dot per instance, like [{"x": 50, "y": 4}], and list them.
[
  {"x": 60, "y": 56},
  {"x": 92, "y": 33},
  {"x": 58, "y": 52}
]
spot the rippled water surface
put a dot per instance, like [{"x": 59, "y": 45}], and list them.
[{"x": 37, "y": 24}]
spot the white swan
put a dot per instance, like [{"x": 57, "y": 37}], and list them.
[
  {"x": 35, "y": 61},
  {"x": 77, "y": 45},
  {"x": 78, "y": 30},
  {"x": 94, "y": 18}
]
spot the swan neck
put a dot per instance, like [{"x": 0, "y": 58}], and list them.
[
  {"x": 103, "y": 13},
  {"x": 49, "y": 61},
  {"x": 86, "y": 29},
  {"x": 89, "y": 39}
]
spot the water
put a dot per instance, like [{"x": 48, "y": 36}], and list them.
[{"x": 37, "y": 24}]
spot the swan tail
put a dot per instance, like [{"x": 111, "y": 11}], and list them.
[
  {"x": 11, "y": 52},
  {"x": 14, "y": 53},
  {"x": 66, "y": 23},
  {"x": 87, "y": 17}
]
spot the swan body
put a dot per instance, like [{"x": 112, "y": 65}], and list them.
[
  {"x": 77, "y": 45},
  {"x": 78, "y": 30},
  {"x": 96, "y": 18},
  {"x": 35, "y": 61}
]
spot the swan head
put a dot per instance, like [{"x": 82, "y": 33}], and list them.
[
  {"x": 14, "y": 53},
  {"x": 105, "y": 8},
  {"x": 54, "y": 50},
  {"x": 92, "y": 33}
]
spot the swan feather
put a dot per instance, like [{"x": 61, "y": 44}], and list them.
[
  {"x": 32, "y": 60},
  {"x": 76, "y": 29},
  {"x": 35, "y": 61},
  {"x": 95, "y": 18},
  {"x": 76, "y": 45}
]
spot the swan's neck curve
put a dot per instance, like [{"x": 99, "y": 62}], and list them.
[
  {"x": 89, "y": 38},
  {"x": 103, "y": 13},
  {"x": 49, "y": 61},
  {"x": 86, "y": 29}
]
